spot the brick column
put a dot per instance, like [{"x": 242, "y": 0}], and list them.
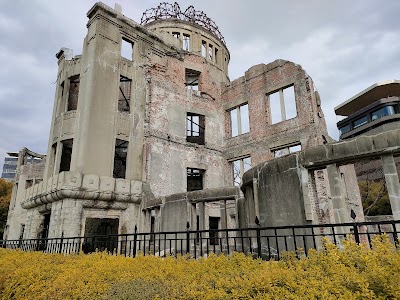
[{"x": 337, "y": 194}]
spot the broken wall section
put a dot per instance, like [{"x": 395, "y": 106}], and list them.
[{"x": 281, "y": 86}]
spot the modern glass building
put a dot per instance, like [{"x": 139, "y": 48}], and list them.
[
  {"x": 10, "y": 166},
  {"x": 374, "y": 110}
]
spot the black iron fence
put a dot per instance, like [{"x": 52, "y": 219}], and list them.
[{"x": 263, "y": 242}]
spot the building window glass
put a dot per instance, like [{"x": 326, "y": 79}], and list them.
[
  {"x": 240, "y": 120},
  {"x": 361, "y": 121},
  {"x": 239, "y": 167},
  {"x": 384, "y": 111},
  {"x": 194, "y": 179},
  {"x": 344, "y": 129},
  {"x": 282, "y": 104}
]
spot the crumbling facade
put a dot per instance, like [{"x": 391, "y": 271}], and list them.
[{"x": 149, "y": 131}]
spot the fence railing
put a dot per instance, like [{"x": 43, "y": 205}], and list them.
[{"x": 263, "y": 242}]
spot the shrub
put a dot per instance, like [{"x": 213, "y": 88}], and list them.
[{"x": 354, "y": 272}]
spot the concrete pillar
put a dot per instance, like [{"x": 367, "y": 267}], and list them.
[
  {"x": 309, "y": 192},
  {"x": 392, "y": 184},
  {"x": 202, "y": 216},
  {"x": 255, "y": 195},
  {"x": 224, "y": 221},
  {"x": 192, "y": 216},
  {"x": 337, "y": 195},
  {"x": 224, "y": 224}
]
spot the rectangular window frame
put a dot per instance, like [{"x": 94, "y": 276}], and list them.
[
  {"x": 66, "y": 155},
  {"x": 192, "y": 80},
  {"x": 286, "y": 150},
  {"x": 283, "y": 105},
  {"x": 186, "y": 42},
  {"x": 120, "y": 158},
  {"x": 194, "y": 175},
  {"x": 195, "y": 128},
  {"x": 239, "y": 167},
  {"x": 237, "y": 114},
  {"x": 124, "y": 98},
  {"x": 73, "y": 93}
]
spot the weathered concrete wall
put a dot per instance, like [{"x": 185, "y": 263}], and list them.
[
  {"x": 319, "y": 184},
  {"x": 280, "y": 193}
]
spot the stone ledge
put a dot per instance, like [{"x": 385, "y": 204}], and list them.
[{"x": 86, "y": 187}]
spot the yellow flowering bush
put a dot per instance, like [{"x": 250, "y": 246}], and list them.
[{"x": 354, "y": 272}]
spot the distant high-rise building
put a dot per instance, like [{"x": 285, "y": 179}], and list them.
[{"x": 10, "y": 166}]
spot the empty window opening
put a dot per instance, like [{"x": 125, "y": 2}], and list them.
[
  {"x": 210, "y": 52},
  {"x": 286, "y": 150},
  {"x": 204, "y": 48},
  {"x": 194, "y": 179},
  {"x": 97, "y": 234},
  {"x": 127, "y": 49},
  {"x": 53, "y": 157},
  {"x": 124, "y": 96},
  {"x": 216, "y": 55},
  {"x": 186, "y": 42},
  {"x": 73, "y": 93},
  {"x": 66, "y": 153},
  {"x": 213, "y": 223},
  {"x": 239, "y": 167},
  {"x": 22, "y": 231},
  {"x": 240, "y": 122},
  {"x": 192, "y": 79},
  {"x": 176, "y": 34},
  {"x": 282, "y": 105},
  {"x": 121, "y": 149},
  {"x": 28, "y": 183},
  {"x": 195, "y": 128}
]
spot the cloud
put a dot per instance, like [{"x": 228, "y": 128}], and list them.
[{"x": 345, "y": 47}]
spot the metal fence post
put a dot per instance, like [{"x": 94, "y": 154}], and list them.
[
  {"x": 356, "y": 234},
  {"x": 134, "y": 242},
  {"x": 61, "y": 242},
  {"x": 187, "y": 237},
  {"x": 258, "y": 231}
]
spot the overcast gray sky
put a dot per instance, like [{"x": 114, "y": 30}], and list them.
[{"x": 345, "y": 46}]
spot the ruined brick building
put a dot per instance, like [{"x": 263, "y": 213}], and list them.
[{"x": 149, "y": 131}]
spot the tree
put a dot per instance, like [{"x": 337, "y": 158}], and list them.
[
  {"x": 5, "y": 197},
  {"x": 374, "y": 197}
]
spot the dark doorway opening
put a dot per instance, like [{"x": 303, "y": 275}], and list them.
[
  {"x": 213, "y": 225},
  {"x": 100, "y": 234},
  {"x": 44, "y": 232}
]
